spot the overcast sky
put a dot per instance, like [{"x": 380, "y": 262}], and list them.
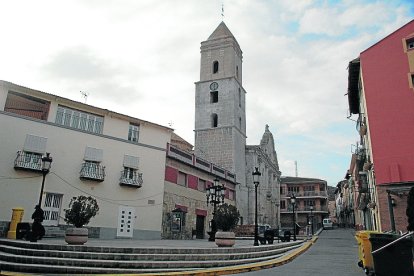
[{"x": 141, "y": 58}]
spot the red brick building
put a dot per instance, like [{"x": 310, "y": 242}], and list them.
[{"x": 381, "y": 93}]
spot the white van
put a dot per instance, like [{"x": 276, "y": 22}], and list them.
[{"x": 327, "y": 224}]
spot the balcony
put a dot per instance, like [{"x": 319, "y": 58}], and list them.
[
  {"x": 193, "y": 160},
  {"x": 133, "y": 179},
  {"x": 28, "y": 161},
  {"x": 92, "y": 171},
  {"x": 305, "y": 209},
  {"x": 313, "y": 193},
  {"x": 318, "y": 194}
]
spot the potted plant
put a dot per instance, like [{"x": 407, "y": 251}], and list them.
[
  {"x": 81, "y": 210},
  {"x": 226, "y": 218}
]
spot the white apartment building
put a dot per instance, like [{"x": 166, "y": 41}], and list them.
[{"x": 117, "y": 159}]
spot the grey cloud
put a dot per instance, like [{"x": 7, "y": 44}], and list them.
[
  {"x": 101, "y": 79},
  {"x": 77, "y": 63}
]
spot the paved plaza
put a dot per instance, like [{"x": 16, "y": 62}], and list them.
[{"x": 334, "y": 253}]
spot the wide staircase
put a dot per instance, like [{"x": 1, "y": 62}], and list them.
[{"x": 26, "y": 257}]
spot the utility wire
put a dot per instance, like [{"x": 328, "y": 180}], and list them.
[{"x": 109, "y": 200}]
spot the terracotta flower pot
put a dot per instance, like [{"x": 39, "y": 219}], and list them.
[
  {"x": 76, "y": 236},
  {"x": 225, "y": 239}
]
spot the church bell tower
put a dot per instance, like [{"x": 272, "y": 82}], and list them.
[{"x": 220, "y": 110}]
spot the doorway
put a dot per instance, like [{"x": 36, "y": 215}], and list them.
[
  {"x": 126, "y": 219},
  {"x": 200, "y": 227}
]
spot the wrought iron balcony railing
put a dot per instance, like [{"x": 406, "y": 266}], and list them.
[
  {"x": 28, "y": 161},
  {"x": 304, "y": 209},
  {"x": 92, "y": 171},
  {"x": 307, "y": 194},
  {"x": 131, "y": 178}
]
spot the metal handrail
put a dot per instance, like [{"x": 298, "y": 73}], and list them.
[{"x": 393, "y": 242}]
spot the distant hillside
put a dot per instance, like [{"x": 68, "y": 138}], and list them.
[{"x": 331, "y": 193}]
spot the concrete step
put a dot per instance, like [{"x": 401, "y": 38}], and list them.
[
  {"x": 21, "y": 256},
  {"x": 44, "y": 245},
  {"x": 142, "y": 257}
]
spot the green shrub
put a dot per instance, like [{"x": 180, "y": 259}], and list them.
[
  {"x": 81, "y": 210},
  {"x": 226, "y": 217}
]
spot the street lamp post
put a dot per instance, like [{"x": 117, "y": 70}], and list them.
[
  {"x": 38, "y": 231},
  {"x": 46, "y": 164},
  {"x": 311, "y": 209},
  {"x": 215, "y": 196},
  {"x": 293, "y": 202},
  {"x": 256, "y": 175}
]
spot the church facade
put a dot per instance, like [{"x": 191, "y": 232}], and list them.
[
  {"x": 220, "y": 128},
  {"x": 264, "y": 157}
]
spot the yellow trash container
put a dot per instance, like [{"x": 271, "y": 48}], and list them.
[
  {"x": 17, "y": 217},
  {"x": 365, "y": 249}
]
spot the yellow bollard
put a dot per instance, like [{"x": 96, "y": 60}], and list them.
[{"x": 17, "y": 217}]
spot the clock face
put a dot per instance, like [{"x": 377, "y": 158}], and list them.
[{"x": 213, "y": 86}]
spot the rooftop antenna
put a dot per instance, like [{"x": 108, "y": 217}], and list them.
[
  {"x": 296, "y": 168},
  {"x": 84, "y": 95}
]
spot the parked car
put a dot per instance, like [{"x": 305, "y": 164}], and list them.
[{"x": 327, "y": 223}]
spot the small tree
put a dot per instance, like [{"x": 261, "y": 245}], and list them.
[
  {"x": 81, "y": 210},
  {"x": 226, "y": 217},
  {"x": 410, "y": 210}
]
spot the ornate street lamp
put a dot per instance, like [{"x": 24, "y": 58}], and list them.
[
  {"x": 38, "y": 230},
  {"x": 256, "y": 175},
  {"x": 215, "y": 195},
  {"x": 311, "y": 209},
  {"x": 293, "y": 202},
  {"x": 46, "y": 164}
]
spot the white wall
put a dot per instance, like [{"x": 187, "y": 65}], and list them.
[{"x": 67, "y": 148}]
